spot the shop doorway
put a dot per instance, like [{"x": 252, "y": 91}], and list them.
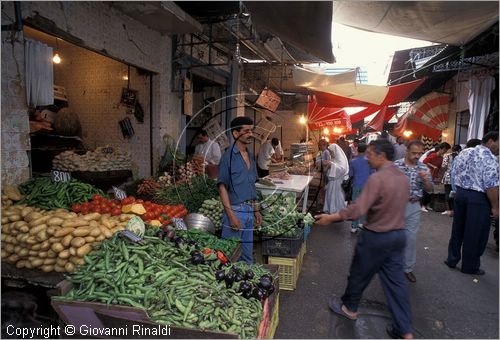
[{"x": 100, "y": 92}]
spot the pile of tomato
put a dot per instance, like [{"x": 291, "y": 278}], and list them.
[{"x": 103, "y": 205}]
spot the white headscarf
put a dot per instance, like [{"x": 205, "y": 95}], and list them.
[{"x": 340, "y": 165}]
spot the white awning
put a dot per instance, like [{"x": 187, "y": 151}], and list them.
[{"x": 449, "y": 22}]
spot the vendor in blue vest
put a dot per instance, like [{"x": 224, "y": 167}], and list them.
[{"x": 236, "y": 183}]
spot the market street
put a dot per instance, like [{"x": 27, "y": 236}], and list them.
[{"x": 445, "y": 302}]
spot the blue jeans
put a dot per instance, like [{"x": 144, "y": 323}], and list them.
[
  {"x": 355, "y": 194},
  {"x": 381, "y": 253},
  {"x": 244, "y": 213}
]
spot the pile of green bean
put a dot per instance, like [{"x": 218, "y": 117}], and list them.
[
  {"x": 42, "y": 192},
  {"x": 159, "y": 277}
]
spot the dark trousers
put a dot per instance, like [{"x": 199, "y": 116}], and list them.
[
  {"x": 426, "y": 199},
  {"x": 261, "y": 172},
  {"x": 381, "y": 253},
  {"x": 470, "y": 230},
  {"x": 447, "y": 190}
]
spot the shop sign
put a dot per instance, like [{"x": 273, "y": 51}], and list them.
[{"x": 268, "y": 100}]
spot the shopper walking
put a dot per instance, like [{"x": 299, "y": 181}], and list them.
[
  {"x": 475, "y": 172},
  {"x": 446, "y": 167},
  {"x": 381, "y": 243},
  {"x": 399, "y": 148},
  {"x": 236, "y": 183},
  {"x": 433, "y": 161},
  {"x": 323, "y": 161},
  {"x": 420, "y": 180},
  {"x": 339, "y": 168},
  {"x": 359, "y": 170}
]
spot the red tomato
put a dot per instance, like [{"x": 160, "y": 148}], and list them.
[
  {"x": 139, "y": 201},
  {"x": 86, "y": 205},
  {"x": 85, "y": 210},
  {"x": 116, "y": 211},
  {"x": 96, "y": 197},
  {"x": 105, "y": 209},
  {"x": 76, "y": 208}
]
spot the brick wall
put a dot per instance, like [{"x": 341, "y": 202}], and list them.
[{"x": 100, "y": 28}]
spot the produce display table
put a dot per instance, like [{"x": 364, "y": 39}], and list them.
[
  {"x": 13, "y": 276},
  {"x": 297, "y": 184}
]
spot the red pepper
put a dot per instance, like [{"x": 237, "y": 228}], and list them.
[
  {"x": 222, "y": 258},
  {"x": 207, "y": 251}
]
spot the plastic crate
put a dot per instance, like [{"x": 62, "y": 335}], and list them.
[
  {"x": 282, "y": 246},
  {"x": 289, "y": 269}
]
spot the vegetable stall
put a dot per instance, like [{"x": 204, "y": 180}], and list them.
[{"x": 74, "y": 230}]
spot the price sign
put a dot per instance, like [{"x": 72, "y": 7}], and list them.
[
  {"x": 119, "y": 193},
  {"x": 131, "y": 236},
  {"x": 60, "y": 176},
  {"x": 179, "y": 223}
]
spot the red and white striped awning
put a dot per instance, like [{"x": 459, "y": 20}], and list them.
[{"x": 428, "y": 116}]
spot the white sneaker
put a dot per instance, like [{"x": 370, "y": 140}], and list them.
[
  {"x": 354, "y": 230},
  {"x": 429, "y": 208},
  {"x": 424, "y": 210},
  {"x": 444, "y": 212}
]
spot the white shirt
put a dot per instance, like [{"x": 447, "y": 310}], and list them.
[
  {"x": 265, "y": 153},
  {"x": 210, "y": 151},
  {"x": 279, "y": 150}
]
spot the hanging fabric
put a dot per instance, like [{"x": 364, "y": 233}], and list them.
[
  {"x": 480, "y": 88},
  {"x": 39, "y": 73}
]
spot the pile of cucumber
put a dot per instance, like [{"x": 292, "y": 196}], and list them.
[{"x": 213, "y": 209}]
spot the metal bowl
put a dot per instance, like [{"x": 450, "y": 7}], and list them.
[{"x": 200, "y": 222}]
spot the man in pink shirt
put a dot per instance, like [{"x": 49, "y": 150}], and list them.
[{"x": 381, "y": 243}]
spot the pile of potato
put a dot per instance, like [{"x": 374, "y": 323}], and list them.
[{"x": 55, "y": 240}]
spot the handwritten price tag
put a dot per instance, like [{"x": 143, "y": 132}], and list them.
[
  {"x": 60, "y": 176},
  {"x": 119, "y": 193}
]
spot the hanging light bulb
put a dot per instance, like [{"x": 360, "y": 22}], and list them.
[
  {"x": 56, "y": 59},
  {"x": 326, "y": 131},
  {"x": 302, "y": 120}
]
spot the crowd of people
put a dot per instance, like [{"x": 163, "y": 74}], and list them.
[
  {"x": 390, "y": 188},
  {"x": 391, "y": 201}
]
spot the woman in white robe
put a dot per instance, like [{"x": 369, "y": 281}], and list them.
[{"x": 339, "y": 168}]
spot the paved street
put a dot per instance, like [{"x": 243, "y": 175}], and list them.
[{"x": 445, "y": 302}]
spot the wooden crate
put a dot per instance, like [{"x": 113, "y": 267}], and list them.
[
  {"x": 117, "y": 317},
  {"x": 273, "y": 325}
]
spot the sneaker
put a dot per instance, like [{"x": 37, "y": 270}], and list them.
[
  {"x": 354, "y": 230},
  {"x": 429, "y": 208},
  {"x": 424, "y": 210},
  {"x": 444, "y": 212}
]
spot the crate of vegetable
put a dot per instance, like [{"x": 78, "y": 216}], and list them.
[
  {"x": 284, "y": 246},
  {"x": 168, "y": 282}
]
